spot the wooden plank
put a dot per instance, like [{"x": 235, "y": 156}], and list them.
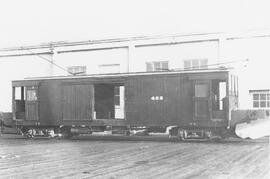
[
  {"x": 159, "y": 101},
  {"x": 77, "y": 102}
]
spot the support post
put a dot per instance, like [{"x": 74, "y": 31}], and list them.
[{"x": 130, "y": 58}]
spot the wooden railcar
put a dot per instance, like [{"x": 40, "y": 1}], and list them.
[{"x": 196, "y": 103}]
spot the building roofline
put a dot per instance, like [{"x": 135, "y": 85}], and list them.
[{"x": 259, "y": 90}]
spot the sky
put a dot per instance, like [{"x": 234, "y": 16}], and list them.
[{"x": 31, "y": 22}]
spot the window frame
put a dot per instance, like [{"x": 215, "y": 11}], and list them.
[
  {"x": 157, "y": 66},
  {"x": 257, "y": 103},
  {"x": 202, "y": 90},
  {"x": 201, "y": 64},
  {"x": 31, "y": 95},
  {"x": 77, "y": 70}
]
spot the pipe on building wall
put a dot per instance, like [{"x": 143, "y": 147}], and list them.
[
  {"x": 25, "y": 54},
  {"x": 91, "y": 49}
]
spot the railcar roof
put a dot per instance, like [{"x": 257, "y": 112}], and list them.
[{"x": 109, "y": 75}]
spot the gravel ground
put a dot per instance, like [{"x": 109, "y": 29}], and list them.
[{"x": 132, "y": 157}]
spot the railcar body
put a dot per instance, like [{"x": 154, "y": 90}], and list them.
[{"x": 194, "y": 102}]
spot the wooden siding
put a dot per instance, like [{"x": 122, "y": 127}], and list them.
[
  {"x": 73, "y": 100},
  {"x": 32, "y": 104},
  {"x": 178, "y": 103},
  {"x": 31, "y": 111},
  {"x": 50, "y": 102},
  {"x": 77, "y": 102},
  {"x": 69, "y": 102},
  {"x": 159, "y": 101}
]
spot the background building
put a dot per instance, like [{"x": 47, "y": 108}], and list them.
[{"x": 196, "y": 51}]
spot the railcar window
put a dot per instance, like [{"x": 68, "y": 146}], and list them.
[
  {"x": 31, "y": 95},
  {"x": 18, "y": 93},
  {"x": 202, "y": 90},
  {"x": 19, "y": 97}
]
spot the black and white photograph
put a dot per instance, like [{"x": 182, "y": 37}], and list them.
[{"x": 134, "y": 89}]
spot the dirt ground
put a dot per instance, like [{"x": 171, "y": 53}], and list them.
[{"x": 107, "y": 157}]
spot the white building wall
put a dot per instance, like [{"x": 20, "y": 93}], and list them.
[
  {"x": 91, "y": 59},
  {"x": 133, "y": 59},
  {"x": 175, "y": 54},
  {"x": 253, "y": 75}
]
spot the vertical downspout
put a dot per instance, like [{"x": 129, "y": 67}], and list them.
[{"x": 130, "y": 59}]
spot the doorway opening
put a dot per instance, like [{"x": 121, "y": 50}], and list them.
[
  {"x": 109, "y": 101},
  {"x": 19, "y": 102},
  {"x": 218, "y": 97}
]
